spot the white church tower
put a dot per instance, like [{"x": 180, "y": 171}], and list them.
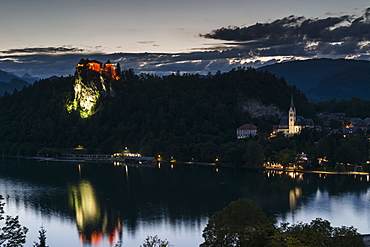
[
  {"x": 293, "y": 124},
  {"x": 292, "y": 118}
]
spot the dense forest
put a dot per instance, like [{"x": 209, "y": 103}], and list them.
[
  {"x": 184, "y": 116},
  {"x": 354, "y": 107}
]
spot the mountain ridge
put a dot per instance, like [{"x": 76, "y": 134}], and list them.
[
  {"x": 310, "y": 76},
  {"x": 9, "y": 82}
]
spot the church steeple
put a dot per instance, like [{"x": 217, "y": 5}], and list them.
[
  {"x": 292, "y": 102},
  {"x": 292, "y": 117}
]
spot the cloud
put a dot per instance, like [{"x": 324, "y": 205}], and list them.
[
  {"x": 45, "y": 65},
  {"x": 334, "y": 35},
  {"x": 153, "y": 43},
  {"x": 290, "y": 38},
  {"x": 60, "y": 49},
  {"x": 146, "y": 42}
]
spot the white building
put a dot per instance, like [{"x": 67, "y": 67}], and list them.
[{"x": 246, "y": 130}]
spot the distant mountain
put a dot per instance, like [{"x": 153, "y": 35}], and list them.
[
  {"x": 9, "y": 82},
  {"x": 322, "y": 79},
  {"x": 13, "y": 84},
  {"x": 347, "y": 83},
  {"x": 7, "y": 77},
  {"x": 28, "y": 78}
]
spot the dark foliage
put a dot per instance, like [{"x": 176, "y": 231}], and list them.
[
  {"x": 243, "y": 223},
  {"x": 182, "y": 116},
  {"x": 354, "y": 107}
]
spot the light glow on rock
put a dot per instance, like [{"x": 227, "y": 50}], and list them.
[
  {"x": 85, "y": 98},
  {"x": 91, "y": 80}
]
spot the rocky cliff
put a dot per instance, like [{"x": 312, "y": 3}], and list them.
[
  {"x": 90, "y": 82},
  {"x": 257, "y": 109}
]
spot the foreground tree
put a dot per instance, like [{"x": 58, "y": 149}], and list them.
[
  {"x": 318, "y": 233},
  {"x": 12, "y": 234},
  {"x": 241, "y": 223},
  {"x": 151, "y": 241},
  {"x": 42, "y": 238}
]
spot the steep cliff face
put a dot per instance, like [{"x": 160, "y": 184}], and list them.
[
  {"x": 91, "y": 82},
  {"x": 257, "y": 109}
]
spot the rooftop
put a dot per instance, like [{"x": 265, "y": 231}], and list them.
[{"x": 247, "y": 127}]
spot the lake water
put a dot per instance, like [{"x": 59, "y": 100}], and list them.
[{"x": 98, "y": 204}]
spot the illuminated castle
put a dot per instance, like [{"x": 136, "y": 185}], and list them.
[
  {"x": 107, "y": 69},
  {"x": 92, "y": 80}
]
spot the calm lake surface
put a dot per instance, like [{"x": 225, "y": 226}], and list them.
[{"x": 97, "y": 204}]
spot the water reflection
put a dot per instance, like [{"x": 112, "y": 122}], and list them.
[
  {"x": 294, "y": 195},
  {"x": 83, "y": 200},
  {"x": 95, "y": 223},
  {"x": 112, "y": 202}
]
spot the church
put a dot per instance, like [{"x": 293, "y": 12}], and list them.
[{"x": 293, "y": 124}]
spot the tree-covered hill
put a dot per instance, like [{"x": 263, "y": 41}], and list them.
[
  {"x": 184, "y": 116},
  {"x": 352, "y": 108},
  {"x": 325, "y": 79},
  {"x": 345, "y": 84}
]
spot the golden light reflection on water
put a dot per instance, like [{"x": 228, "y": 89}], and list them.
[
  {"x": 294, "y": 195},
  {"x": 83, "y": 200},
  {"x": 92, "y": 221},
  {"x": 79, "y": 169},
  {"x": 292, "y": 174},
  {"x": 126, "y": 171}
]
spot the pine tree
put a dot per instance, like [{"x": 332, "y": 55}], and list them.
[
  {"x": 42, "y": 238},
  {"x": 12, "y": 233}
]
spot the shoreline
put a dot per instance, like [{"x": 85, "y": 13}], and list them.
[
  {"x": 197, "y": 163},
  {"x": 318, "y": 172}
]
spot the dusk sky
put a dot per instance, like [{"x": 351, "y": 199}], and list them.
[{"x": 58, "y": 30}]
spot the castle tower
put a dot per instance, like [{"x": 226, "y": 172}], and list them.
[
  {"x": 291, "y": 118},
  {"x": 109, "y": 70}
]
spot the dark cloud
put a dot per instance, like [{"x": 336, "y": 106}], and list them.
[
  {"x": 60, "y": 49},
  {"x": 294, "y": 35},
  {"x": 297, "y": 29},
  {"x": 289, "y": 38},
  {"x": 46, "y": 65},
  {"x": 286, "y": 30}
]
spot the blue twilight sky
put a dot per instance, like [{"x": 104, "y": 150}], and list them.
[{"x": 41, "y": 30}]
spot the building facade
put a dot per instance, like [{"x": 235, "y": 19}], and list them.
[{"x": 246, "y": 130}]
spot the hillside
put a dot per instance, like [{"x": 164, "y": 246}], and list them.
[
  {"x": 185, "y": 116},
  {"x": 323, "y": 79},
  {"x": 351, "y": 82}
]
